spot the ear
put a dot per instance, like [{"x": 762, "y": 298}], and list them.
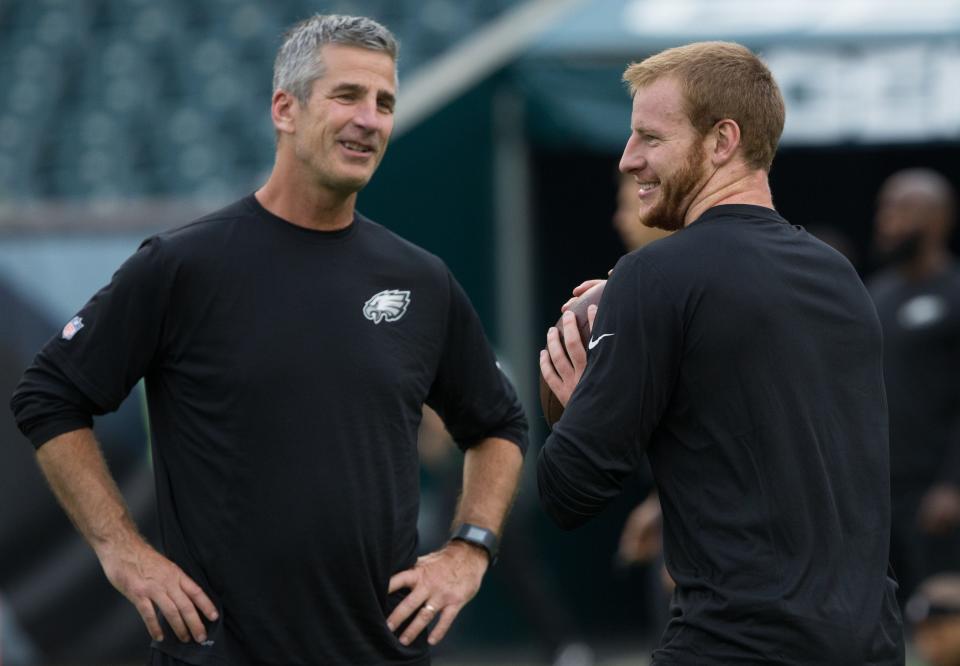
[
  {"x": 283, "y": 110},
  {"x": 724, "y": 140}
]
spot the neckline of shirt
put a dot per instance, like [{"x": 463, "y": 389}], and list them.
[
  {"x": 741, "y": 211},
  {"x": 303, "y": 233}
]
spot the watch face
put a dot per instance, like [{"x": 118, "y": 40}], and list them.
[
  {"x": 475, "y": 534},
  {"x": 478, "y": 536}
]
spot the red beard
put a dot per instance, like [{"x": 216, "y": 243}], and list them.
[{"x": 677, "y": 193}]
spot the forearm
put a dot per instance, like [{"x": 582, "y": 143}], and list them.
[
  {"x": 577, "y": 480},
  {"x": 491, "y": 472},
  {"x": 78, "y": 475}
]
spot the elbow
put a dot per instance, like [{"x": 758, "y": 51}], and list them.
[
  {"x": 42, "y": 415},
  {"x": 555, "y": 500},
  {"x": 517, "y": 430},
  {"x": 563, "y": 519},
  {"x": 513, "y": 431}
]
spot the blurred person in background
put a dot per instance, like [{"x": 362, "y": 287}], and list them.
[
  {"x": 933, "y": 612},
  {"x": 917, "y": 295},
  {"x": 753, "y": 384},
  {"x": 288, "y": 346}
]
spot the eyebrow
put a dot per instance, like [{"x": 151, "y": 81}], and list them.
[
  {"x": 348, "y": 87},
  {"x": 356, "y": 88}
]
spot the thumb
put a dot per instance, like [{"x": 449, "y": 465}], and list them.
[{"x": 404, "y": 579}]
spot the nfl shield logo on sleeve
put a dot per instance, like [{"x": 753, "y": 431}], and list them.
[{"x": 72, "y": 328}]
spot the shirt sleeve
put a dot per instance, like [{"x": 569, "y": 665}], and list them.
[
  {"x": 91, "y": 366},
  {"x": 471, "y": 394},
  {"x": 623, "y": 394}
]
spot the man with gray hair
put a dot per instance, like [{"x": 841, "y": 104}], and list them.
[{"x": 288, "y": 345}]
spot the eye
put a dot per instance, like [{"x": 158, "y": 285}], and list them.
[{"x": 648, "y": 139}]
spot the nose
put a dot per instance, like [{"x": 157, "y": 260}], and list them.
[
  {"x": 632, "y": 158},
  {"x": 368, "y": 115}
]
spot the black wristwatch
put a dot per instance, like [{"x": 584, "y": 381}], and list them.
[{"x": 480, "y": 537}]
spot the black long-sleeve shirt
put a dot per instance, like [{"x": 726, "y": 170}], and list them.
[
  {"x": 744, "y": 357},
  {"x": 285, "y": 372}
]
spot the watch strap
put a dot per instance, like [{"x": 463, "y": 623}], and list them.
[{"x": 477, "y": 536}]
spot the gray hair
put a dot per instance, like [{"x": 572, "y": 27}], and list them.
[{"x": 298, "y": 62}]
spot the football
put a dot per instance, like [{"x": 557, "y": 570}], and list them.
[{"x": 552, "y": 409}]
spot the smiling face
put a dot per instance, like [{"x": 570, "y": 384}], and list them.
[
  {"x": 626, "y": 219},
  {"x": 665, "y": 155},
  {"x": 341, "y": 133}
]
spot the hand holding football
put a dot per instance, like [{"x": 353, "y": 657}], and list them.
[{"x": 549, "y": 362}]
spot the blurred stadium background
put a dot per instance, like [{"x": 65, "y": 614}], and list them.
[{"x": 122, "y": 117}]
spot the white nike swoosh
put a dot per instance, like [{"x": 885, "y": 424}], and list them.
[{"x": 593, "y": 343}]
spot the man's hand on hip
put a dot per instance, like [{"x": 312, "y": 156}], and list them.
[
  {"x": 150, "y": 581},
  {"x": 440, "y": 585}
]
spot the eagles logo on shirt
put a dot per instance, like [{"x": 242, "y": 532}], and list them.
[{"x": 388, "y": 305}]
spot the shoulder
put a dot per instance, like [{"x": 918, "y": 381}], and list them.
[
  {"x": 681, "y": 252},
  {"x": 209, "y": 241},
  {"x": 200, "y": 242},
  {"x": 646, "y": 275},
  {"x": 390, "y": 247},
  {"x": 208, "y": 228}
]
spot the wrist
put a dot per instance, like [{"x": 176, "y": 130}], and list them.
[
  {"x": 478, "y": 538},
  {"x": 121, "y": 545},
  {"x": 473, "y": 556}
]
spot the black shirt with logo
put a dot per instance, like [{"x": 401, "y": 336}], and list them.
[
  {"x": 285, "y": 372},
  {"x": 921, "y": 361},
  {"x": 744, "y": 357}
]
